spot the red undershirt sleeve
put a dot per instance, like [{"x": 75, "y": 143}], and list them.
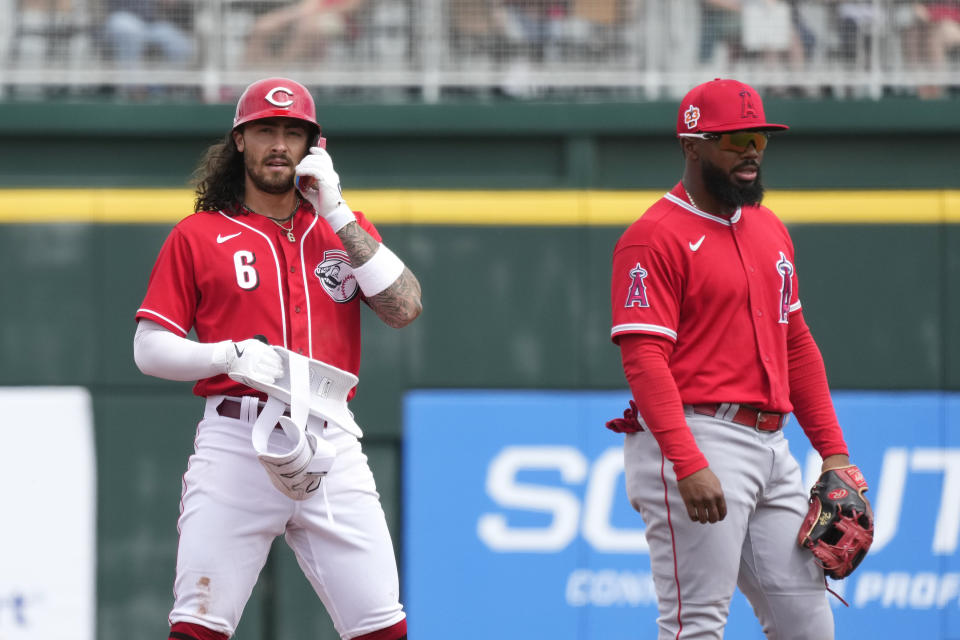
[
  {"x": 809, "y": 391},
  {"x": 645, "y": 359}
]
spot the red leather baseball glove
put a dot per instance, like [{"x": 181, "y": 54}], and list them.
[{"x": 838, "y": 528}]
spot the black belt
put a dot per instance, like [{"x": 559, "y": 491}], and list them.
[
  {"x": 747, "y": 416},
  {"x": 230, "y": 408}
]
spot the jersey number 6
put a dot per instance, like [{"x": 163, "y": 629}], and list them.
[{"x": 247, "y": 276}]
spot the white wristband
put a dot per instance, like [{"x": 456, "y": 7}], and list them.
[
  {"x": 340, "y": 217},
  {"x": 379, "y": 272}
]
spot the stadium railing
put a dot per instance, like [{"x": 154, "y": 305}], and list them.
[{"x": 524, "y": 49}]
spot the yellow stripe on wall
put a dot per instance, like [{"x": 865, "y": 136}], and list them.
[{"x": 501, "y": 208}]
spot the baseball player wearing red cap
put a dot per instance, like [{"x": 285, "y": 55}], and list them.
[
  {"x": 707, "y": 315},
  {"x": 264, "y": 261}
]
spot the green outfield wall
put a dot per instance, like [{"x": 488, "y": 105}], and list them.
[
  {"x": 894, "y": 144},
  {"x": 507, "y": 214}
]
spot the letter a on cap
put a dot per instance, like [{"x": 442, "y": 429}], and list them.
[{"x": 746, "y": 105}]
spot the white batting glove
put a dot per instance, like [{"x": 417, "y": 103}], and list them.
[
  {"x": 320, "y": 185},
  {"x": 248, "y": 361}
]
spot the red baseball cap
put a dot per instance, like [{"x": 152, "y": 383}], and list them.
[{"x": 722, "y": 105}]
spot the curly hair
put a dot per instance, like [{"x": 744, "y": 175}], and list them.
[{"x": 219, "y": 178}]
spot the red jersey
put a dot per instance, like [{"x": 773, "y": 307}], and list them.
[
  {"x": 232, "y": 277},
  {"x": 720, "y": 289}
]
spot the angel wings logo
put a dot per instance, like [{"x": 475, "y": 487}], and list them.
[{"x": 336, "y": 276}]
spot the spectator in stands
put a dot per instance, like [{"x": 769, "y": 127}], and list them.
[
  {"x": 856, "y": 21},
  {"x": 724, "y": 20},
  {"x": 930, "y": 39},
  {"x": 526, "y": 28},
  {"x": 472, "y": 25},
  {"x": 720, "y": 22},
  {"x": 135, "y": 27},
  {"x": 507, "y": 27},
  {"x": 527, "y": 22},
  {"x": 300, "y": 31}
]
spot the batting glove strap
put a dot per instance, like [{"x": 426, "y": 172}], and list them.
[
  {"x": 297, "y": 471},
  {"x": 314, "y": 387}
]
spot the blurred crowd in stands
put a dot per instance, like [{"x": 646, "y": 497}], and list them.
[
  {"x": 795, "y": 32},
  {"x": 519, "y": 38}
]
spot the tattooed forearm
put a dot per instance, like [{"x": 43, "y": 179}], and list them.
[
  {"x": 359, "y": 244},
  {"x": 399, "y": 304}
]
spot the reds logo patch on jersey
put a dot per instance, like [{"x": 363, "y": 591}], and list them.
[
  {"x": 336, "y": 276},
  {"x": 637, "y": 294}
]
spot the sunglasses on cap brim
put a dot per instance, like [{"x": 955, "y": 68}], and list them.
[{"x": 735, "y": 140}]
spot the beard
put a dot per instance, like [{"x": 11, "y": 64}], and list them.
[
  {"x": 268, "y": 182},
  {"x": 722, "y": 186}
]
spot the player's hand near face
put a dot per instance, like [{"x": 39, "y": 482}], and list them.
[
  {"x": 703, "y": 496},
  {"x": 319, "y": 183},
  {"x": 393, "y": 296}
]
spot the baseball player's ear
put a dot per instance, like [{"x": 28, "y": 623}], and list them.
[{"x": 238, "y": 140}]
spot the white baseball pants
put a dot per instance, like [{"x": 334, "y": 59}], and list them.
[{"x": 231, "y": 513}]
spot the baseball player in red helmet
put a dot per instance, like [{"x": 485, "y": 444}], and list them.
[
  {"x": 707, "y": 315},
  {"x": 270, "y": 275}
]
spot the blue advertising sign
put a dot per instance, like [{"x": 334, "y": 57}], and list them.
[{"x": 517, "y": 523}]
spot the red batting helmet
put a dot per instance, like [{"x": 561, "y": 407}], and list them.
[{"x": 275, "y": 98}]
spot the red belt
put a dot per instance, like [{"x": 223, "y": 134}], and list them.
[
  {"x": 230, "y": 408},
  {"x": 747, "y": 416}
]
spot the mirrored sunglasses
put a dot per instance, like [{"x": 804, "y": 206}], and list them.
[{"x": 735, "y": 140}]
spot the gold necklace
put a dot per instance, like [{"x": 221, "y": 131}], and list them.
[
  {"x": 296, "y": 207},
  {"x": 289, "y": 231},
  {"x": 689, "y": 197}
]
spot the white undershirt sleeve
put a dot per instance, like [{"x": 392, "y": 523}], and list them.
[{"x": 163, "y": 354}]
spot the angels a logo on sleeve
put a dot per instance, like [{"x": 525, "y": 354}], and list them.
[
  {"x": 637, "y": 294},
  {"x": 336, "y": 275},
  {"x": 785, "y": 269}
]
